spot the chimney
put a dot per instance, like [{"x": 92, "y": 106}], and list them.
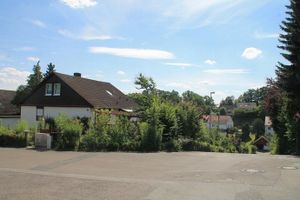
[{"x": 76, "y": 74}]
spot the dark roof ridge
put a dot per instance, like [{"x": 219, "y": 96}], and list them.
[
  {"x": 71, "y": 76},
  {"x": 7, "y": 90}
]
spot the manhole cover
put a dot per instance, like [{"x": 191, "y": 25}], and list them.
[
  {"x": 289, "y": 167},
  {"x": 252, "y": 170}
]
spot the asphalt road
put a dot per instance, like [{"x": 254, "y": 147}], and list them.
[{"x": 29, "y": 174}]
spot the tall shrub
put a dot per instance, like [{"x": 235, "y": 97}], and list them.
[{"x": 69, "y": 132}]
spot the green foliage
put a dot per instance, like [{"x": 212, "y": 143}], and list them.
[
  {"x": 284, "y": 109},
  {"x": 245, "y": 133},
  {"x": 33, "y": 80},
  {"x": 245, "y": 116},
  {"x": 21, "y": 126},
  {"x": 36, "y": 77},
  {"x": 152, "y": 137},
  {"x": 122, "y": 135},
  {"x": 9, "y": 138},
  {"x": 253, "y": 95},
  {"x": 21, "y": 93},
  {"x": 258, "y": 127},
  {"x": 69, "y": 132},
  {"x": 248, "y": 147},
  {"x": 228, "y": 101},
  {"x": 168, "y": 120},
  {"x": 172, "y": 97},
  {"x": 173, "y": 145},
  {"x": 146, "y": 84},
  {"x": 188, "y": 120},
  {"x": 223, "y": 111},
  {"x": 274, "y": 144},
  {"x": 50, "y": 69}
]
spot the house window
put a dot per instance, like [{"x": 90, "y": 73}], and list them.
[
  {"x": 48, "y": 90},
  {"x": 57, "y": 88}
]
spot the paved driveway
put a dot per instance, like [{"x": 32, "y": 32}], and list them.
[{"x": 29, "y": 174}]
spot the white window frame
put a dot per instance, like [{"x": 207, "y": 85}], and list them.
[
  {"x": 48, "y": 93},
  {"x": 55, "y": 88}
]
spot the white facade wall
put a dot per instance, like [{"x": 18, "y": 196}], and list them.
[
  {"x": 69, "y": 111},
  {"x": 9, "y": 122},
  {"x": 28, "y": 113}
]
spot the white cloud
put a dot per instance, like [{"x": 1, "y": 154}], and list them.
[
  {"x": 182, "y": 65},
  {"x": 33, "y": 59},
  {"x": 38, "y": 23},
  {"x": 133, "y": 53},
  {"x": 261, "y": 35},
  {"x": 76, "y": 4},
  {"x": 120, "y": 72},
  {"x": 195, "y": 13},
  {"x": 11, "y": 78},
  {"x": 227, "y": 71},
  {"x": 86, "y": 35},
  {"x": 251, "y": 53},
  {"x": 210, "y": 62},
  {"x": 96, "y": 37}
]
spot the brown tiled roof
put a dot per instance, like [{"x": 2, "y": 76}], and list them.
[
  {"x": 261, "y": 140},
  {"x": 222, "y": 119},
  {"x": 98, "y": 94},
  {"x": 6, "y": 108}
]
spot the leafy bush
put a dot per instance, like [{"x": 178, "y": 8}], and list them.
[
  {"x": 9, "y": 138},
  {"x": 103, "y": 136},
  {"x": 69, "y": 133},
  {"x": 274, "y": 144},
  {"x": 195, "y": 145},
  {"x": 248, "y": 147},
  {"x": 173, "y": 145},
  {"x": 21, "y": 126},
  {"x": 168, "y": 120},
  {"x": 188, "y": 120},
  {"x": 258, "y": 127},
  {"x": 152, "y": 137}
]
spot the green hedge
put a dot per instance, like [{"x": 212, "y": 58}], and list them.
[{"x": 12, "y": 140}]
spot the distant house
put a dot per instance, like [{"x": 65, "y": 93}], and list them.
[
  {"x": 9, "y": 113},
  {"x": 261, "y": 143},
  {"x": 246, "y": 105},
  {"x": 74, "y": 96},
  {"x": 229, "y": 109},
  {"x": 268, "y": 126},
  {"x": 222, "y": 122}
]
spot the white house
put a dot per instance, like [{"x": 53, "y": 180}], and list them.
[
  {"x": 222, "y": 122},
  {"x": 74, "y": 96}
]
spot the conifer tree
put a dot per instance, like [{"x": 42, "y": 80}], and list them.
[
  {"x": 50, "y": 69},
  {"x": 288, "y": 74},
  {"x": 33, "y": 80}
]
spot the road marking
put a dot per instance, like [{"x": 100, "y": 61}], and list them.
[{"x": 87, "y": 177}]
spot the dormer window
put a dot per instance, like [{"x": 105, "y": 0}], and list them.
[
  {"x": 57, "y": 89},
  {"x": 48, "y": 89}
]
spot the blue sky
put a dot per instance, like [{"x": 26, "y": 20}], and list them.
[{"x": 225, "y": 46}]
